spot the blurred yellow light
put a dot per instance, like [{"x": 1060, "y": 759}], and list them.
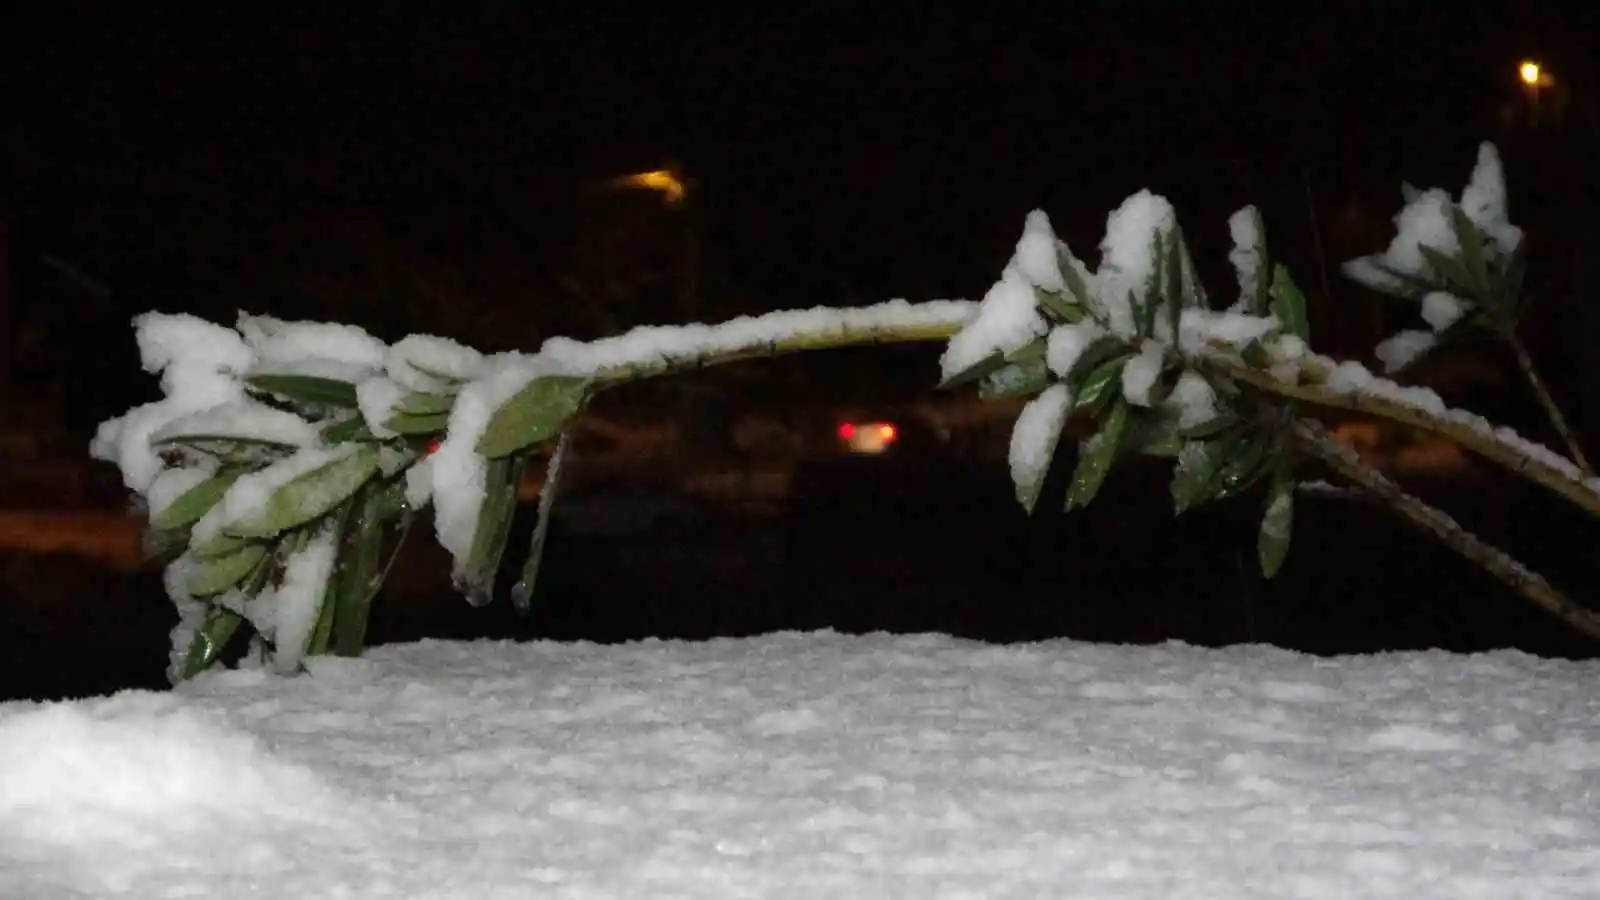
[
  {"x": 1529, "y": 72},
  {"x": 658, "y": 180}
]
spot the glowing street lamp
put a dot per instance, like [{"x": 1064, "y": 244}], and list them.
[
  {"x": 1534, "y": 80},
  {"x": 670, "y": 186}
]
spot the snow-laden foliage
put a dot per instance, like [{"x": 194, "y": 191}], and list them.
[{"x": 286, "y": 460}]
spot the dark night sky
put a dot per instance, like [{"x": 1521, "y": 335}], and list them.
[{"x": 839, "y": 155}]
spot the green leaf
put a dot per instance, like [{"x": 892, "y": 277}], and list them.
[
  {"x": 423, "y": 403},
  {"x": 222, "y": 446},
  {"x": 1407, "y": 286},
  {"x": 1506, "y": 300},
  {"x": 209, "y": 641},
  {"x": 1038, "y": 348},
  {"x": 1473, "y": 262},
  {"x": 309, "y": 495},
  {"x": 346, "y": 430},
  {"x": 309, "y": 389},
  {"x": 1260, "y": 302},
  {"x": 362, "y": 566},
  {"x": 1289, "y": 305},
  {"x": 980, "y": 369},
  {"x": 1194, "y": 478},
  {"x": 533, "y": 414},
  {"x": 1152, "y": 432},
  {"x": 1072, "y": 274},
  {"x": 195, "y": 502},
  {"x": 218, "y": 545},
  {"x": 1224, "y": 420},
  {"x": 1277, "y": 525},
  {"x": 436, "y": 375},
  {"x": 1457, "y": 280},
  {"x": 1100, "y": 350},
  {"x": 209, "y": 576},
  {"x": 1095, "y": 455},
  {"x": 1173, "y": 294},
  {"x": 1246, "y": 463},
  {"x": 163, "y": 545},
  {"x": 522, "y": 591},
  {"x": 1255, "y": 355},
  {"x": 475, "y": 580},
  {"x": 427, "y": 423},
  {"x": 1028, "y": 484},
  {"x": 1020, "y": 379},
  {"x": 1101, "y": 384},
  {"x": 344, "y": 525},
  {"x": 1058, "y": 307}
]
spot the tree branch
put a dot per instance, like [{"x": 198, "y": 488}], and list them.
[
  {"x": 1498, "y": 445},
  {"x": 1316, "y": 441},
  {"x": 1525, "y": 362}
]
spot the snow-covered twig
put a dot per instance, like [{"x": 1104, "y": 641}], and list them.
[
  {"x": 1315, "y": 440},
  {"x": 1546, "y": 400},
  {"x": 668, "y": 349},
  {"x": 1318, "y": 382}
]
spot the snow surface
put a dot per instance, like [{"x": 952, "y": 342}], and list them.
[{"x": 818, "y": 765}]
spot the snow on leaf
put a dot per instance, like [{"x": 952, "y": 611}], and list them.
[
  {"x": 1034, "y": 439},
  {"x": 1404, "y": 348},
  {"x": 1008, "y": 318}
]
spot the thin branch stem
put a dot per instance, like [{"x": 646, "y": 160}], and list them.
[
  {"x": 796, "y": 331},
  {"x": 793, "y": 331},
  {"x": 1315, "y": 440},
  {"x": 1525, "y": 362}
]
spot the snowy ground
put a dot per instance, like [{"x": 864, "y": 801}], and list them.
[{"x": 818, "y": 765}]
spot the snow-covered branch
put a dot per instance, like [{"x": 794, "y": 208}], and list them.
[{"x": 287, "y": 458}]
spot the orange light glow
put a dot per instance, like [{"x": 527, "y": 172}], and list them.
[
  {"x": 868, "y": 437},
  {"x": 1533, "y": 75},
  {"x": 658, "y": 180}
]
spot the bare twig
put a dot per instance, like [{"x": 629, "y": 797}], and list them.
[
  {"x": 1525, "y": 362},
  {"x": 1316, "y": 441}
]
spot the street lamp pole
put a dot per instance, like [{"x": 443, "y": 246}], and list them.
[
  {"x": 1534, "y": 80},
  {"x": 674, "y": 190}
]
